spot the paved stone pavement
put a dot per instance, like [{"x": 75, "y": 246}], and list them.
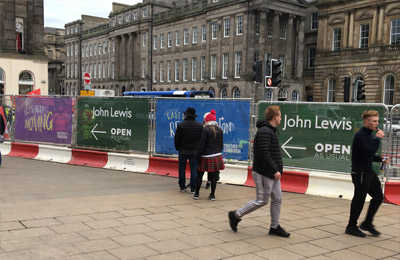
[{"x": 64, "y": 212}]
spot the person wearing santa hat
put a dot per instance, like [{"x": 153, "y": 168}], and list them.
[{"x": 209, "y": 153}]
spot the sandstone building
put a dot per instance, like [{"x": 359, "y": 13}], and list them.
[
  {"x": 54, "y": 47},
  {"x": 199, "y": 45},
  {"x": 23, "y": 63}
]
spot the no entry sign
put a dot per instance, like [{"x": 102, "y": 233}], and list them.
[{"x": 87, "y": 78}]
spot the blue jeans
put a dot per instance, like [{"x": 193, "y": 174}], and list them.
[{"x": 193, "y": 170}]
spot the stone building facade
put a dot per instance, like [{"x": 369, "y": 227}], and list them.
[
  {"x": 361, "y": 40},
  {"x": 23, "y": 63},
  {"x": 185, "y": 45},
  {"x": 54, "y": 47}
]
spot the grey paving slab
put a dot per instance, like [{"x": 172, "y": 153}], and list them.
[{"x": 63, "y": 212}]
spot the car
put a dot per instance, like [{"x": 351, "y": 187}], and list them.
[{"x": 391, "y": 129}]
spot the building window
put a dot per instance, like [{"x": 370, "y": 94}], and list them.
[
  {"x": 388, "y": 94},
  {"x": 282, "y": 28},
  {"x": 269, "y": 29},
  {"x": 203, "y": 33},
  {"x": 135, "y": 15},
  {"x": 236, "y": 93},
  {"x": 19, "y": 29},
  {"x": 104, "y": 47},
  {"x": 113, "y": 45},
  {"x": 100, "y": 49},
  {"x": 269, "y": 95},
  {"x": 108, "y": 69},
  {"x": 185, "y": 36},
  {"x": 238, "y": 64},
  {"x": 91, "y": 69},
  {"x": 76, "y": 28},
  {"x": 162, "y": 41},
  {"x": 26, "y": 82},
  {"x": 155, "y": 42},
  {"x": 395, "y": 32},
  {"x": 76, "y": 49},
  {"x": 144, "y": 13},
  {"x": 337, "y": 35},
  {"x": 169, "y": 39},
  {"x": 67, "y": 50},
  {"x": 177, "y": 38},
  {"x": 224, "y": 93},
  {"x": 127, "y": 17},
  {"x": 214, "y": 30},
  {"x": 227, "y": 25},
  {"x": 213, "y": 66},
  {"x": 239, "y": 25},
  {"x": 194, "y": 32},
  {"x": 76, "y": 70},
  {"x": 295, "y": 95},
  {"x": 143, "y": 68},
  {"x": 364, "y": 35},
  {"x": 113, "y": 70},
  {"x": 314, "y": 21},
  {"x": 121, "y": 19},
  {"x": 100, "y": 70},
  {"x": 154, "y": 72},
  {"x": 257, "y": 29},
  {"x": 94, "y": 50},
  {"x": 194, "y": 69},
  {"x": 144, "y": 39},
  {"x": 331, "y": 90},
  {"x": 225, "y": 67},
  {"x": 311, "y": 58},
  {"x": 202, "y": 67},
  {"x": 282, "y": 94},
  {"x": 161, "y": 71},
  {"x": 68, "y": 67},
  {"x": 95, "y": 71},
  {"x": 91, "y": 50},
  {"x": 169, "y": 72},
  {"x": 176, "y": 70},
  {"x": 185, "y": 69}
]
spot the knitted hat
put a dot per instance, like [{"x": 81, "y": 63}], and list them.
[{"x": 210, "y": 116}]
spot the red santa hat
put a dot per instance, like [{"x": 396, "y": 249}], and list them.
[{"x": 210, "y": 116}]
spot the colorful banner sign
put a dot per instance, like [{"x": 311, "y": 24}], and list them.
[
  {"x": 233, "y": 117},
  {"x": 319, "y": 136},
  {"x": 43, "y": 119},
  {"x": 113, "y": 123}
]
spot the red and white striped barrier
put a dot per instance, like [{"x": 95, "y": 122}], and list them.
[{"x": 304, "y": 182}]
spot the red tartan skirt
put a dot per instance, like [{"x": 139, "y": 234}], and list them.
[{"x": 211, "y": 164}]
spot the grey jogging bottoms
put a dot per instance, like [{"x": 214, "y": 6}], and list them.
[{"x": 265, "y": 188}]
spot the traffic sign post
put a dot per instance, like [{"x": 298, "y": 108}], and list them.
[
  {"x": 319, "y": 135},
  {"x": 87, "y": 80}
]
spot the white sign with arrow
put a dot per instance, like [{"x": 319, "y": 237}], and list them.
[
  {"x": 100, "y": 132},
  {"x": 284, "y": 147}
]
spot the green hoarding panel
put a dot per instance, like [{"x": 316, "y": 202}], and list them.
[
  {"x": 319, "y": 136},
  {"x": 112, "y": 123}
]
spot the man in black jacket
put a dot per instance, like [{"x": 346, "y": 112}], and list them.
[
  {"x": 267, "y": 171},
  {"x": 187, "y": 137},
  {"x": 364, "y": 178}
]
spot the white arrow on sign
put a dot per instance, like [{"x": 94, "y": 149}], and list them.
[
  {"x": 291, "y": 147},
  {"x": 100, "y": 132}
]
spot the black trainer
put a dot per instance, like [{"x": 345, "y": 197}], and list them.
[
  {"x": 354, "y": 231},
  {"x": 278, "y": 231},
  {"x": 233, "y": 220},
  {"x": 196, "y": 196},
  {"x": 370, "y": 228},
  {"x": 208, "y": 185},
  {"x": 211, "y": 197}
]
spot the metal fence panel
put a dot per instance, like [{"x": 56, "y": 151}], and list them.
[{"x": 7, "y": 110}]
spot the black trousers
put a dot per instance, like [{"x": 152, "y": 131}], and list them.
[
  {"x": 365, "y": 182},
  {"x": 213, "y": 177}
]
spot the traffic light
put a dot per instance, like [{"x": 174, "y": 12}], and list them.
[
  {"x": 360, "y": 90},
  {"x": 346, "y": 87},
  {"x": 257, "y": 71},
  {"x": 275, "y": 72}
]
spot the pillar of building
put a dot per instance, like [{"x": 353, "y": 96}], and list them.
[
  {"x": 38, "y": 28},
  {"x": 262, "y": 33},
  {"x": 351, "y": 29},
  {"x": 374, "y": 27},
  {"x": 122, "y": 56},
  {"x": 9, "y": 35},
  {"x": 346, "y": 30},
  {"x": 276, "y": 35},
  {"x": 130, "y": 50},
  {"x": 325, "y": 45},
  {"x": 290, "y": 45},
  {"x": 380, "y": 24},
  {"x": 117, "y": 59},
  {"x": 300, "y": 49}
]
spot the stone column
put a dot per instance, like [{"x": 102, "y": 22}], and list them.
[
  {"x": 262, "y": 33},
  {"x": 373, "y": 29},
  {"x": 117, "y": 59},
  {"x": 122, "y": 56},
  {"x": 346, "y": 30},
  {"x": 325, "y": 35},
  {"x": 290, "y": 45},
  {"x": 276, "y": 35},
  {"x": 351, "y": 29},
  {"x": 380, "y": 24},
  {"x": 300, "y": 49},
  {"x": 38, "y": 27},
  {"x": 130, "y": 55}
]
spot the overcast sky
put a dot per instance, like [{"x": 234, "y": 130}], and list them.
[{"x": 59, "y": 12}]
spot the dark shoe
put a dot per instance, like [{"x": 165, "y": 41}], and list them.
[
  {"x": 278, "y": 231},
  {"x": 183, "y": 189},
  {"x": 370, "y": 228},
  {"x": 196, "y": 196},
  {"x": 192, "y": 191},
  {"x": 233, "y": 220},
  {"x": 208, "y": 185},
  {"x": 211, "y": 197},
  {"x": 354, "y": 231}
]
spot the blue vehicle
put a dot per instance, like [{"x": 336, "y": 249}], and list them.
[{"x": 172, "y": 93}]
